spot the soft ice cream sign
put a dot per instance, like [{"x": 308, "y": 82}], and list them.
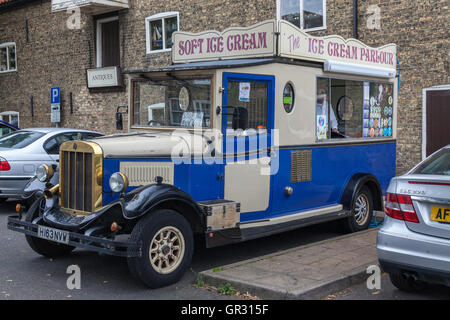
[
  {"x": 295, "y": 43},
  {"x": 233, "y": 43}
]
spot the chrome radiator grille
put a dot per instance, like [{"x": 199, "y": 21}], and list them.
[{"x": 80, "y": 178}]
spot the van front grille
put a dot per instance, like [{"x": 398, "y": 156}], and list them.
[{"x": 80, "y": 183}]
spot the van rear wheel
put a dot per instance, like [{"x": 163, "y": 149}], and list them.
[
  {"x": 361, "y": 212},
  {"x": 167, "y": 247}
]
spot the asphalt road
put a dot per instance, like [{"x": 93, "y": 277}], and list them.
[{"x": 27, "y": 275}]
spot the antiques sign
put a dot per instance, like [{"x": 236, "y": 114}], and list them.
[{"x": 103, "y": 77}]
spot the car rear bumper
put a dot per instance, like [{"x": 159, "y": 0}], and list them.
[
  {"x": 423, "y": 274},
  {"x": 12, "y": 187},
  {"x": 401, "y": 250}
]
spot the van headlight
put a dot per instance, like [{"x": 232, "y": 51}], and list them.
[
  {"x": 118, "y": 182},
  {"x": 44, "y": 173}
]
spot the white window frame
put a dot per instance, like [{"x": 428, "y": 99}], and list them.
[
  {"x": 159, "y": 16},
  {"x": 9, "y": 114},
  {"x": 6, "y": 45},
  {"x": 99, "y": 39},
  {"x": 324, "y": 9},
  {"x": 424, "y": 114}
]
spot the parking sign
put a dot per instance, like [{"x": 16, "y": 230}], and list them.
[
  {"x": 55, "y": 95},
  {"x": 55, "y": 104}
]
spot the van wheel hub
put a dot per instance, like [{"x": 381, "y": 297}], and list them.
[{"x": 167, "y": 250}]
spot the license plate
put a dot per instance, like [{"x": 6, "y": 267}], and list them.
[
  {"x": 53, "y": 234},
  {"x": 441, "y": 214}
]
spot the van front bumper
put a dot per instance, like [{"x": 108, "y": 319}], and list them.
[
  {"x": 402, "y": 250},
  {"x": 79, "y": 240}
]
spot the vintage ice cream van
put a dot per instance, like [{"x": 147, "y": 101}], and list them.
[{"x": 249, "y": 132}]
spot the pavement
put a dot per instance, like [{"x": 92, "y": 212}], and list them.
[{"x": 306, "y": 272}]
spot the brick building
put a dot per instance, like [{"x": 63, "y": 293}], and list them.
[{"x": 45, "y": 44}]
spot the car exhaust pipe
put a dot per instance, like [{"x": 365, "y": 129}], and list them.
[{"x": 410, "y": 276}]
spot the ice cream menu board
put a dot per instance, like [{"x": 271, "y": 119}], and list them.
[{"x": 378, "y": 109}]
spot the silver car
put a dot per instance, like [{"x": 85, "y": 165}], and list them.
[
  {"x": 21, "y": 152},
  {"x": 414, "y": 243}
]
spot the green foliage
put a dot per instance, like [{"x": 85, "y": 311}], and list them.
[
  {"x": 227, "y": 289},
  {"x": 200, "y": 283}
]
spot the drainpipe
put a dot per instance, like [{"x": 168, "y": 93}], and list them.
[{"x": 355, "y": 19}]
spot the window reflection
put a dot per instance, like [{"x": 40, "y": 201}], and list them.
[{"x": 158, "y": 103}]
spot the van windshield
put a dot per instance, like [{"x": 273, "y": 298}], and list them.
[
  {"x": 19, "y": 139},
  {"x": 184, "y": 103}
]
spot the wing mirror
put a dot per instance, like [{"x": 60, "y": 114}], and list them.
[{"x": 119, "y": 117}]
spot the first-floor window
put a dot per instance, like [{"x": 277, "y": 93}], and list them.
[
  {"x": 11, "y": 117},
  {"x": 8, "y": 61},
  {"x": 305, "y": 14},
  {"x": 353, "y": 109},
  {"x": 108, "y": 44},
  {"x": 159, "y": 29}
]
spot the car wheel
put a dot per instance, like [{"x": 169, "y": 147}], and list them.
[
  {"x": 361, "y": 213},
  {"x": 44, "y": 247},
  {"x": 406, "y": 284},
  {"x": 167, "y": 247}
]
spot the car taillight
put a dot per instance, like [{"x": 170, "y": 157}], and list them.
[
  {"x": 4, "y": 165},
  {"x": 400, "y": 206}
]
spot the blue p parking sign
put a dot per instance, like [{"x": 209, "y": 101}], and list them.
[
  {"x": 55, "y": 104},
  {"x": 55, "y": 95}
]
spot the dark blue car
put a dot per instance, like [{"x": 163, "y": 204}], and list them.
[{"x": 6, "y": 128}]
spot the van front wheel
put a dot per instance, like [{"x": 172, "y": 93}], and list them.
[{"x": 167, "y": 247}]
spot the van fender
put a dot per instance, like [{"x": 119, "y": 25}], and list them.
[
  {"x": 353, "y": 186},
  {"x": 143, "y": 200}
]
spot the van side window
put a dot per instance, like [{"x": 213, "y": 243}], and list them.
[
  {"x": 353, "y": 109},
  {"x": 252, "y": 97},
  {"x": 346, "y": 99}
]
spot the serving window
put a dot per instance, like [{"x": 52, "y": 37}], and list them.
[
  {"x": 353, "y": 109},
  {"x": 183, "y": 103}
]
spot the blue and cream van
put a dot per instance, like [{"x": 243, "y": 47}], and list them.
[{"x": 250, "y": 132}]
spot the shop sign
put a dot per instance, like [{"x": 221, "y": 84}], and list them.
[
  {"x": 297, "y": 44},
  {"x": 233, "y": 43},
  {"x": 103, "y": 77}
]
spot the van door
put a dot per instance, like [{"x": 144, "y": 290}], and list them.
[{"x": 247, "y": 121}]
